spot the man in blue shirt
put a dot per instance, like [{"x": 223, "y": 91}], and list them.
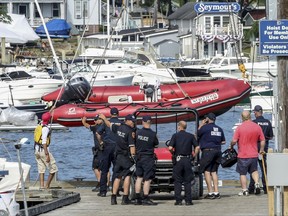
[
  {"x": 181, "y": 145},
  {"x": 109, "y": 141},
  {"x": 125, "y": 149},
  {"x": 210, "y": 138},
  {"x": 146, "y": 141}
]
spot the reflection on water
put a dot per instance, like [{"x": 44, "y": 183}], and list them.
[{"x": 72, "y": 149}]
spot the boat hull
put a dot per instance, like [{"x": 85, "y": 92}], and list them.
[
  {"x": 209, "y": 99},
  {"x": 116, "y": 94}
]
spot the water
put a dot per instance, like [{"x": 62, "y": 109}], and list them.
[{"x": 72, "y": 148}]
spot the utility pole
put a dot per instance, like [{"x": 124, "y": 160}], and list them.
[{"x": 283, "y": 84}]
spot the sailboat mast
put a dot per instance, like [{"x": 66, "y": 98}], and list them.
[{"x": 49, "y": 39}]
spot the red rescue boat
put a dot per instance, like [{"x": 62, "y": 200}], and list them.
[{"x": 216, "y": 96}]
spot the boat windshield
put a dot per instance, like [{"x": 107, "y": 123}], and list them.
[{"x": 215, "y": 61}]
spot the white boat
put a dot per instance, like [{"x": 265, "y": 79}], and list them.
[
  {"x": 100, "y": 79},
  {"x": 102, "y": 54},
  {"x": 142, "y": 65},
  {"x": 25, "y": 88},
  {"x": 257, "y": 71},
  {"x": 10, "y": 182}
]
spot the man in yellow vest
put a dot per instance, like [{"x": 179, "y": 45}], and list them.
[{"x": 43, "y": 156}]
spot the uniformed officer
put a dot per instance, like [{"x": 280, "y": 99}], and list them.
[
  {"x": 109, "y": 140},
  {"x": 95, "y": 149},
  {"x": 267, "y": 129},
  {"x": 125, "y": 149},
  {"x": 146, "y": 141},
  {"x": 210, "y": 138},
  {"x": 181, "y": 145}
]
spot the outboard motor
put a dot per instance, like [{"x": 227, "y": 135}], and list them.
[{"x": 76, "y": 90}]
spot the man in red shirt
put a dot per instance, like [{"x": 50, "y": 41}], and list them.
[{"x": 247, "y": 135}]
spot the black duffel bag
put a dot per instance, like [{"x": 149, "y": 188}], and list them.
[{"x": 229, "y": 158}]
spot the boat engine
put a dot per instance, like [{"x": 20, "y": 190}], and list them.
[{"x": 76, "y": 90}]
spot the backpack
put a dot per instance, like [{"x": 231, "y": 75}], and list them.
[{"x": 38, "y": 135}]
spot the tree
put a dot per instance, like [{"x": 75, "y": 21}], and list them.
[{"x": 4, "y": 17}]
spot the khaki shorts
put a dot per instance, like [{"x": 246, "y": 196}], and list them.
[{"x": 42, "y": 164}]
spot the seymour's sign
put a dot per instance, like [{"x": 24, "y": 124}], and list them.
[{"x": 216, "y": 7}]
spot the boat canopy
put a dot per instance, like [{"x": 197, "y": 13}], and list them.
[{"x": 57, "y": 28}]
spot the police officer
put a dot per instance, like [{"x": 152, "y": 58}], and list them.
[
  {"x": 210, "y": 138},
  {"x": 96, "y": 148},
  {"x": 267, "y": 129},
  {"x": 181, "y": 145},
  {"x": 146, "y": 141},
  {"x": 125, "y": 149},
  {"x": 109, "y": 140}
]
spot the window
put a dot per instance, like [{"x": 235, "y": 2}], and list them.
[
  {"x": 56, "y": 10},
  {"x": 225, "y": 21},
  {"x": 81, "y": 9},
  {"x": 217, "y": 21},
  {"x": 37, "y": 15},
  {"x": 78, "y": 14},
  {"x": 22, "y": 9},
  {"x": 85, "y": 9},
  {"x": 207, "y": 24}
]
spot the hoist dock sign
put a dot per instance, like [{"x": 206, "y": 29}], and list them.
[{"x": 273, "y": 37}]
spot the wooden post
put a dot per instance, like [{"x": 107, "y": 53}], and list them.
[
  {"x": 282, "y": 84},
  {"x": 285, "y": 193},
  {"x": 270, "y": 193},
  {"x": 3, "y": 51}
]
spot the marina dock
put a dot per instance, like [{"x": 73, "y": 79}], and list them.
[{"x": 229, "y": 204}]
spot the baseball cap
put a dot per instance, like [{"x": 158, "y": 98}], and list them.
[
  {"x": 211, "y": 116},
  {"x": 257, "y": 108},
  {"x": 130, "y": 117},
  {"x": 114, "y": 111},
  {"x": 96, "y": 117},
  {"x": 146, "y": 118},
  {"x": 46, "y": 118}
]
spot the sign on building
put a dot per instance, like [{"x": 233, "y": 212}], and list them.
[
  {"x": 273, "y": 37},
  {"x": 207, "y": 7}
]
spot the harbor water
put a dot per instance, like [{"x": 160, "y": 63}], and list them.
[{"x": 72, "y": 148}]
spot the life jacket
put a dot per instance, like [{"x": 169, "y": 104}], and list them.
[{"x": 38, "y": 135}]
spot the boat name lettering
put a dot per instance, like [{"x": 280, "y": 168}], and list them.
[
  {"x": 72, "y": 110},
  {"x": 205, "y": 98}
]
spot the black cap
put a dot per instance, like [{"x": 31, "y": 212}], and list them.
[
  {"x": 114, "y": 111},
  {"x": 130, "y": 117},
  {"x": 146, "y": 118},
  {"x": 257, "y": 108},
  {"x": 96, "y": 117},
  {"x": 211, "y": 116}
]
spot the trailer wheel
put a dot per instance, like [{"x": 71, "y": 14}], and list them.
[
  {"x": 132, "y": 188},
  {"x": 196, "y": 188}
]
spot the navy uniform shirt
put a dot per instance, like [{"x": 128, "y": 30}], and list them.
[
  {"x": 266, "y": 126},
  {"x": 210, "y": 136},
  {"x": 267, "y": 129},
  {"x": 107, "y": 136},
  {"x": 146, "y": 141},
  {"x": 183, "y": 143},
  {"x": 126, "y": 138},
  {"x": 94, "y": 129}
]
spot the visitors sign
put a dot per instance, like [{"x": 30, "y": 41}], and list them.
[
  {"x": 273, "y": 37},
  {"x": 207, "y": 7}
]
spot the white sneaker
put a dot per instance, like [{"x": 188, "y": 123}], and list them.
[{"x": 243, "y": 193}]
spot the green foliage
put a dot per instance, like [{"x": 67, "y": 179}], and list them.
[
  {"x": 4, "y": 17},
  {"x": 253, "y": 32}
]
